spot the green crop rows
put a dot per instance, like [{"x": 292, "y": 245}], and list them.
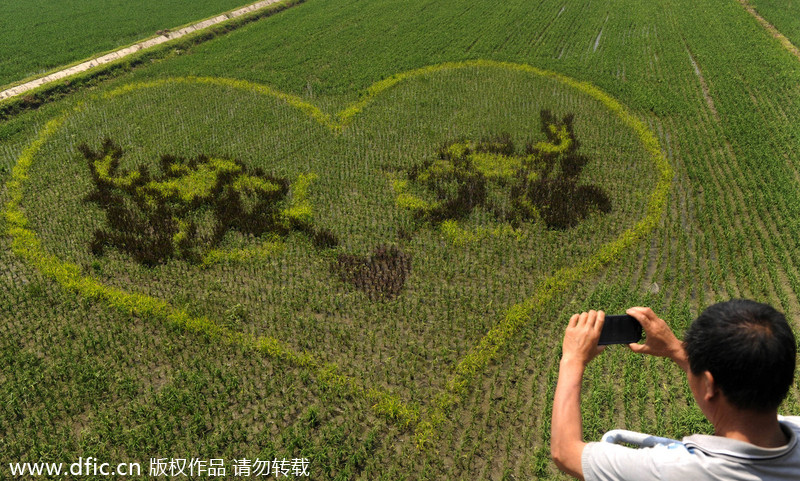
[{"x": 353, "y": 232}]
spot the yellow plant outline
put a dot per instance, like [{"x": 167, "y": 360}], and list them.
[{"x": 387, "y": 404}]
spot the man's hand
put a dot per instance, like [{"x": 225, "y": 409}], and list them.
[
  {"x": 581, "y": 337},
  {"x": 661, "y": 341}
]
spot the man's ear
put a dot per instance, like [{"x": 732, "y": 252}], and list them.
[{"x": 709, "y": 386}]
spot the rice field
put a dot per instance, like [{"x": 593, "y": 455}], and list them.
[
  {"x": 353, "y": 233},
  {"x": 41, "y": 35},
  {"x": 785, "y": 16}
]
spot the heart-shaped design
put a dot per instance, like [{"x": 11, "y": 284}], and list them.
[{"x": 471, "y": 283}]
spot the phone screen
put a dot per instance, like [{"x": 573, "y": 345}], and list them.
[{"x": 620, "y": 329}]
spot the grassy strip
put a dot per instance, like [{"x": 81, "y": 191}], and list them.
[
  {"x": 26, "y": 245},
  {"x": 309, "y": 109},
  {"x": 59, "y": 89},
  {"x": 58, "y": 32}
]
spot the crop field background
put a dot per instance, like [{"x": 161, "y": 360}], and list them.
[
  {"x": 784, "y": 15},
  {"x": 354, "y": 232},
  {"x": 40, "y": 35}
]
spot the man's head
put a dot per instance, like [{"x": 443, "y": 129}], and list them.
[{"x": 748, "y": 348}]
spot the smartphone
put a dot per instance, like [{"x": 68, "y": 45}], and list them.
[{"x": 621, "y": 329}]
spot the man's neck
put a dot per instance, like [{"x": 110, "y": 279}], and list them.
[{"x": 759, "y": 429}]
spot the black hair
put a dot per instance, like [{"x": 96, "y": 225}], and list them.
[{"x": 750, "y": 350}]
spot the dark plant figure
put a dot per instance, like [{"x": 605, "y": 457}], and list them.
[
  {"x": 188, "y": 207},
  {"x": 541, "y": 184},
  {"x": 382, "y": 275},
  {"x": 555, "y": 193}
]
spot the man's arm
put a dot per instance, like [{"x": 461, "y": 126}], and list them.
[
  {"x": 579, "y": 348},
  {"x": 566, "y": 441}
]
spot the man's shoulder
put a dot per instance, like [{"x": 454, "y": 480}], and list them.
[
  {"x": 740, "y": 451},
  {"x": 792, "y": 422},
  {"x": 696, "y": 457},
  {"x": 607, "y": 461}
]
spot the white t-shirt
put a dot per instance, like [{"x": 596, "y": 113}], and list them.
[{"x": 698, "y": 457}]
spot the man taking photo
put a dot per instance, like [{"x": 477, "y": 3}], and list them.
[{"x": 739, "y": 357}]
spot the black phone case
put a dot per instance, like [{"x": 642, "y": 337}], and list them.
[{"x": 621, "y": 329}]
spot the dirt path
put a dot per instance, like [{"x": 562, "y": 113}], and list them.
[
  {"x": 787, "y": 44},
  {"x": 117, "y": 54}
]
